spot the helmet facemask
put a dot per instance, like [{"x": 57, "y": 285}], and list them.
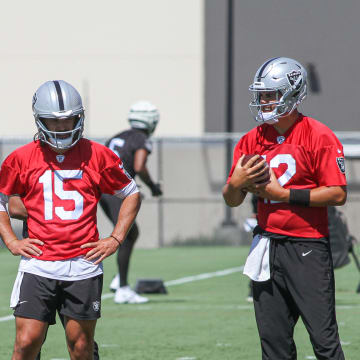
[
  {"x": 60, "y": 140},
  {"x": 283, "y": 105}
]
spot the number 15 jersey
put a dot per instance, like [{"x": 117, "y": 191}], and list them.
[
  {"x": 306, "y": 156},
  {"x": 61, "y": 192}
]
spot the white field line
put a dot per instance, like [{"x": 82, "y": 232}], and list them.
[
  {"x": 6, "y": 318},
  {"x": 170, "y": 283},
  {"x": 188, "y": 279}
]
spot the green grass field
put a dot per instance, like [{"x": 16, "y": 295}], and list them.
[{"x": 206, "y": 319}]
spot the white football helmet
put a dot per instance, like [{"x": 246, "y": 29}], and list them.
[
  {"x": 144, "y": 115},
  {"x": 284, "y": 76},
  {"x": 58, "y": 100}
]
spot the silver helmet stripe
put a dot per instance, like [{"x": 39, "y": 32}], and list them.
[
  {"x": 60, "y": 95},
  {"x": 264, "y": 67}
]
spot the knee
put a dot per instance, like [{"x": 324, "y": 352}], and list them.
[
  {"x": 326, "y": 343},
  {"x": 80, "y": 348},
  {"x": 26, "y": 344}
]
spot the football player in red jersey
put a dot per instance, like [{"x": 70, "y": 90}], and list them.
[
  {"x": 18, "y": 211},
  {"x": 290, "y": 260},
  {"x": 60, "y": 177}
]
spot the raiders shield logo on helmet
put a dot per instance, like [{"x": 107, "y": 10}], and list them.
[
  {"x": 341, "y": 164},
  {"x": 294, "y": 78}
]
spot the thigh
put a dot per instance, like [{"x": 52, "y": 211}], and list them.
[
  {"x": 71, "y": 334},
  {"x": 275, "y": 311},
  {"x": 131, "y": 236},
  {"x": 80, "y": 338},
  {"x": 30, "y": 335},
  {"x": 276, "y": 316},
  {"x": 310, "y": 279},
  {"x": 38, "y": 298},
  {"x": 129, "y": 242},
  {"x": 82, "y": 298},
  {"x": 83, "y": 330}
]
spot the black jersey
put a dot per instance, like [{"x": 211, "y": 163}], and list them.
[{"x": 126, "y": 143}]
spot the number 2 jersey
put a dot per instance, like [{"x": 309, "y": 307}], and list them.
[
  {"x": 61, "y": 192},
  {"x": 307, "y": 156}
]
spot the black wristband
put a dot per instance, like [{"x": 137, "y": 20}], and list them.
[{"x": 299, "y": 197}]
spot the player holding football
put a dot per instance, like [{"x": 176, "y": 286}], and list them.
[
  {"x": 133, "y": 146},
  {"x": 60, "y": 177},
  {"x": 307, "y": 175}
]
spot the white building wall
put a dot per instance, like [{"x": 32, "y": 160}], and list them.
[{"x": 114, "y": 51}]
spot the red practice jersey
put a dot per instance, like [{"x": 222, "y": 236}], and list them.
[
  {"x": 307, "y": 156},
  {"x": 61, "y": 192}
]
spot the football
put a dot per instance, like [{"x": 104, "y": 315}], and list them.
[{"x": 250, "y": 156}]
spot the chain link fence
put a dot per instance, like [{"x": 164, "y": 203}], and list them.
[{"x": 192, "y": 172}]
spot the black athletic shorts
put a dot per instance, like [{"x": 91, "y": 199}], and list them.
[{"x": 41, "y": 297}]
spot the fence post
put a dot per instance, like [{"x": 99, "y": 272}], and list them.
[{"x": 160, "y": 200}]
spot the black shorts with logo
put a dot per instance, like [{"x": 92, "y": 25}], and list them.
[{"x": 41, "y": 297}]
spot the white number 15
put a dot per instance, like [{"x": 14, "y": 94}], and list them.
[{"x": 59, "y": 176}]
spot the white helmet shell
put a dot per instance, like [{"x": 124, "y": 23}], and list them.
[
  {"x": 286, "y": 77},
  {"x": 144, "y": 115},
  {"x": 58, "y": 100}
]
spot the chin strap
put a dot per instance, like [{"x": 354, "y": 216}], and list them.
[{"x": 268, "y": 117}]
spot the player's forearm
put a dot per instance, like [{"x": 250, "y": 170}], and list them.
[
  {"x": 233, "y": 196},
  {"x": 6, "y": 232},
  {"x": 328, "y": 196},
  {"x": 127, "y": 214},
  {"x": 145, "y": 177},
  {"x": 317, "y": 197}
]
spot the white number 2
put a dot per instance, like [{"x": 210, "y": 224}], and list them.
[
  {"x": 59, "y": 176},
  {"x": 289, "y": 172},
  {"x": 291, "y": 167}
]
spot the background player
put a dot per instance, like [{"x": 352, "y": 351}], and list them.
[
  {"x": 307, "y": 175},
  {"x": 133, "y": 147},
  {"x": 60, "y": 177}
]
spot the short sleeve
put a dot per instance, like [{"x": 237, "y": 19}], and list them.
[
  {"x": 143, "y": 142},
  {"x": 148, "y": 146},
  {"x": 10, "y": 176},
  {"x": 330, "y": 164},
  {"x": 236, "y": 156},
  {"x": 3, "y": 201},
  {"x": 240, "y": 149},
  {"x": 114, "y": 178}
]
